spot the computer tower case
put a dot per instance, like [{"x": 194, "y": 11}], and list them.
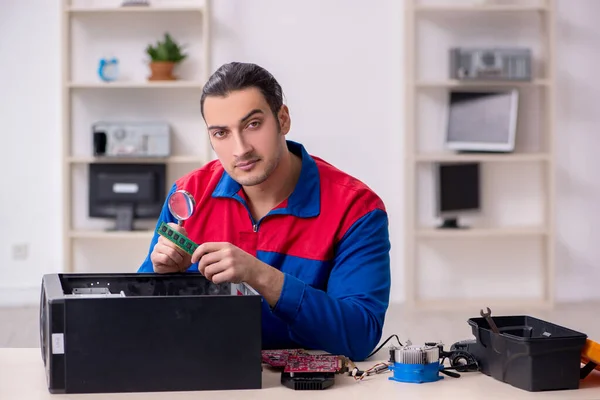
[{"x": 108, "y": 333}]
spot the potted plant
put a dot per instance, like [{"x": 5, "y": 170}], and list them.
[{"x": 163, "y": 58}]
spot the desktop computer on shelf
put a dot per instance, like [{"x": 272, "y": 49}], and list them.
[{"x": 126, "y": 192}]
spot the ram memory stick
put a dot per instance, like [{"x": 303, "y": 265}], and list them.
[{"x": 177, "y": 238}]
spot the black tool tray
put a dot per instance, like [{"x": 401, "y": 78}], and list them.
[{"x": 529, "y": 353}]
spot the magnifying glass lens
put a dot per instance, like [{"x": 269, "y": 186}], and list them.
[{"x": 181, "y": 205}]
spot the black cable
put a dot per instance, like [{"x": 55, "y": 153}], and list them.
[
  {"x": 450, "y": 373},
  {"x": 383, "y": 344}
]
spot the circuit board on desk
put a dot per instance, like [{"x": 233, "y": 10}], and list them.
[
  {"x": 300, "y": 361},
  {"x": 278, "y": 358},
  {"x": 314, "y": 363}
]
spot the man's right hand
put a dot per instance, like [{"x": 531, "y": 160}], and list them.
[{"x": 167, "y": 257}]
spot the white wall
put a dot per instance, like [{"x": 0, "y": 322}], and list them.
[
  {"x": 578, "y": 142},
  {"x": 342, "y": 71},
  {"x": 30, "y": 182},
  {"x": 342, "y": 74}
]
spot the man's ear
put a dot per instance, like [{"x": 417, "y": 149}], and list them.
[{"x": 284, "y": 119}]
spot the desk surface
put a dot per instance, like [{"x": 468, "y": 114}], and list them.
[{"x": 22, "y": 377}]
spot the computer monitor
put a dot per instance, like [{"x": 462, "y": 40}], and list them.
[
  {"x": 458, "y": 191},
  {"x": 482, "y": 120},
  {"x": 126, "y": 192}
]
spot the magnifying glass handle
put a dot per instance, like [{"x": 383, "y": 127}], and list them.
[{"x": 179, "y": 222}]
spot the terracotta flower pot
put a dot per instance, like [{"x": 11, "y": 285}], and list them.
[{"x": 162, "y": 71}]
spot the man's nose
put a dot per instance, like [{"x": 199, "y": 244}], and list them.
[{"x": 242, "y": 147}]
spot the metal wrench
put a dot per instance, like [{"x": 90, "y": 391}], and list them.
[{"x": 488, "y": 318}]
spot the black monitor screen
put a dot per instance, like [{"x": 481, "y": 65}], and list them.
[
  {"x": 126, "y": 191},
  {"x": 458, "y": 186},
  {"x": 123, "y": 187}
]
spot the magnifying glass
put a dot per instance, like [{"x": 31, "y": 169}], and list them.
[{"x": 181, "y": 204}]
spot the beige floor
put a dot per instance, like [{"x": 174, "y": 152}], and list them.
[{"x": 19, "y": 326}]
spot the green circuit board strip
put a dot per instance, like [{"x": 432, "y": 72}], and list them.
[{"x": 177, "y": 238}]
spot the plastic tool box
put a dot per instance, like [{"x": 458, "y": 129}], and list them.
[{"x": 529, "y": 353}]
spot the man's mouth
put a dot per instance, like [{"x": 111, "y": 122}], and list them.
[{"x": 246, "y": 165}]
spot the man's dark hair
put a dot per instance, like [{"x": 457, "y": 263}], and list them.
[{"x": 238, "y": 76}]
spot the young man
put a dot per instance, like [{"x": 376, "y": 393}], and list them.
[{"x": 312, "y": 240}]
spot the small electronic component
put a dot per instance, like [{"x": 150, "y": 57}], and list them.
[
  {"x": 177, "y": 238},
  {"x": 416, "y": 364},
  {"x": 308, "y": 380},
  {"x": 311, "y": 372}
]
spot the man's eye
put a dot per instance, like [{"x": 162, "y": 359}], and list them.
[
  {"x": 218, "y": 134},
  {"x": 254, "y": 124}
]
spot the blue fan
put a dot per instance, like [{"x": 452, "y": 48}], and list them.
[{"x": 416, "y": 364}]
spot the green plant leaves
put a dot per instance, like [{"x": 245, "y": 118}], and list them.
[{"x": 166, "y": 50}]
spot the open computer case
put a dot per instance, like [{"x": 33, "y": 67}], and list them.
[{"x": 106, "y": 333}]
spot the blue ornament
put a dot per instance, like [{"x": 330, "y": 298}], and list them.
[{"x": 108, "y": 69}]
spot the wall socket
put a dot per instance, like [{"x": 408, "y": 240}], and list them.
[{"x": 20, "y": 251}]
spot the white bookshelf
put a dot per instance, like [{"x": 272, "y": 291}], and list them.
[
  {"x": 136, "y": 85},
  {"x": 450, "y": 83},
  {"x": 504, "y": 158},
  {"x": 92, "y": 29},
  {"x": 94, "y": 234},
  {"x": 478, "y": 6},
  {"x": 505, "y": 259},
  {"x": 168, "y": 160},
  {"x": 482, "y": 232},
  {"x": 108, "y": 9}
]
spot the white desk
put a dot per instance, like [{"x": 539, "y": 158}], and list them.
[{"x": 22, "y": 377}]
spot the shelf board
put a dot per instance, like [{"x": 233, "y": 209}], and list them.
[
  {"x": 132, "y": 10},
  {"x": 180, "y": 84},
  {"x": 137, "y": 160},
  {"x": 453, "y": 83},
  {"x": 480, "y": 232},
  {"x": 186, "y": 160},
  {"x": 479, "y": 8},
  {"x": 487, "y": 157},
  {"x": 91, "y": 234}
]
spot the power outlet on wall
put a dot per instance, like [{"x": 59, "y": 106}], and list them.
[{"x": 20, "y": 251}]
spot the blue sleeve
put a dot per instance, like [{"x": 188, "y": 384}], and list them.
[
  {"x": 346, "y": 319},
  {"x": 165, "y": 216}
]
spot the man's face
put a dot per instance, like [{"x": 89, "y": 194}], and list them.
[{"x": 245, "y": 134}]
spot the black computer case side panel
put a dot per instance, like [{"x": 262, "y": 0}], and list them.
[
  {"x": 52, "y": 329},
  {"x": 57, "y": 354},
  {"x": 163, "y": 343}
]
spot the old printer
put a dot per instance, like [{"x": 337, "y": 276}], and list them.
[
  {"x": 131, "y": 139},
  {"x": 107, "y": 333}
]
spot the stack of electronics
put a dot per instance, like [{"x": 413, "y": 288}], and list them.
[
  {"x": 127, "y": 191},
  {"x": 301, "y": 370},
  {"x": 480, "y": 120}
]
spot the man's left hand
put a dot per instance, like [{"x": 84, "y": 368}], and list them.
[{"x": 223, "y": 262}]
